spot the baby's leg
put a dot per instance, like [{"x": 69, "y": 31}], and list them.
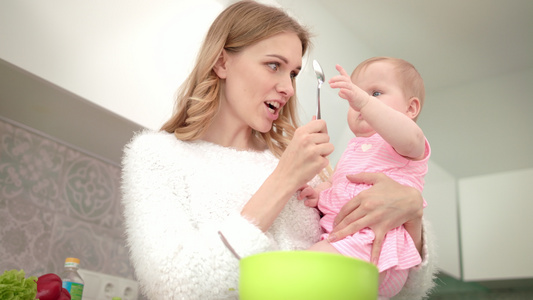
[
  {"x": 323, "y": 246},
  {"x": 391, "y": 282}
]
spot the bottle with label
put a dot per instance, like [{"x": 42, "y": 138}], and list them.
[{"x": 72, "y": 280}]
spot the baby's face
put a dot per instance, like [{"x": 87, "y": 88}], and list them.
[{"x": 379, "y": 80}]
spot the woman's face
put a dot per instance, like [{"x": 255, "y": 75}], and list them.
[{"x": 258, "y": 82}]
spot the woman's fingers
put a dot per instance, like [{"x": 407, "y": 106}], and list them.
[
  {"x": 366, "y": 178},
  {"x": 345, "y": 229},
  {"x": 306, "y": 154},
  {"x": 314, "y": 134},
  {"x": 347, "y": 214},
  {"x": 376, "y": 246},
  {"x": 325, "y": 150},
  {"x": 316, "y": 126},
  {"x": 354, "y": 215}
]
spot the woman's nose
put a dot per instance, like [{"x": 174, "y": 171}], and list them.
[{"x": 286, "y": 86}]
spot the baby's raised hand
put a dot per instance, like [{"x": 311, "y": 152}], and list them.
[{"x": 348, "y": 90}]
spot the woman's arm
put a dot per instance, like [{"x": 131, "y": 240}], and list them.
[
  {"x": 305, "y": 157},
  {"x": 174, "y": 254}
]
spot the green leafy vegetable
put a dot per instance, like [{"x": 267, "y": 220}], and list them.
[{"x": 14, "y": 286}]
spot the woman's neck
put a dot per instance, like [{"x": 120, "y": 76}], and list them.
[{"x": 226, "y": 136}]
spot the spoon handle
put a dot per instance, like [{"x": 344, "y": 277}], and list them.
[
  {"x": 318, "y": 103},
  {"x": 230, "y": 248}
]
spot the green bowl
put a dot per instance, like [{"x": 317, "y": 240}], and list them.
[{"x": 306, "y": 275}]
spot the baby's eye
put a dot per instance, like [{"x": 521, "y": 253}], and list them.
[
  {"x": 376, "y": 93},
  {"x": 273, "y": 65}
]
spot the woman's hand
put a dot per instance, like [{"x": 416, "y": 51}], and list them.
[
  {"x": 306, "y": 154},
  {"x": 384, "y": 206}
]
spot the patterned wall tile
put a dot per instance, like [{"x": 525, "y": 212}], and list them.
[
  {"x": 90, "y": 190},
  {"x": 57, "y": 202},
  {"x": 30, "y": 166},
  {"x": 93, "y": 245},
  {"x": 25, "y": 232}
]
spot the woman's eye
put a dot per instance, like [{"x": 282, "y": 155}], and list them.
[
  {"x": 293, "y": 75},
  {"x": 375, "y": 94},
  {"x": 274, "y": 66}
]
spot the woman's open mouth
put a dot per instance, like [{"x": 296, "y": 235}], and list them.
[{"x": 273, "y": 106}]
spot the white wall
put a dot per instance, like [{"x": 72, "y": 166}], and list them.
[
  {"x": 485, "y": 103},
  {"x": 127, "y": 56},
  {"x": 496, "y": 223},
  {"x": 442, "y": 211},
  {"x": 487, "y": 250}
]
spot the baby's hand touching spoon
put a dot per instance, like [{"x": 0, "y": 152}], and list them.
[{"x": 348, "y": 90}]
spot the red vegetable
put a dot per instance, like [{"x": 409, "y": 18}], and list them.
[
  {"x": 65, "y": 295},
  {"x": 49, "y": 287}
]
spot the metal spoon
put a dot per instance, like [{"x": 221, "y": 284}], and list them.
[
  {"x": 321, "y": 78},
  {"x": 227, "y": 244}
]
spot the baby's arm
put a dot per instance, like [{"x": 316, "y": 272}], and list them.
[{"x": 402, "y": 133}]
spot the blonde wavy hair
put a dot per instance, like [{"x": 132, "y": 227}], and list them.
[{"x": 240, "y": 25}]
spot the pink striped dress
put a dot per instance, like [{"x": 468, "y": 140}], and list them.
[{"x": 373, "y": 154}]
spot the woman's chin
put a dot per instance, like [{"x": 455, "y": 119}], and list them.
[{"x": 263, "y": 128}]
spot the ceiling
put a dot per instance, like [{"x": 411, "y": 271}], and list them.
[{"x": 464, "y": 50}]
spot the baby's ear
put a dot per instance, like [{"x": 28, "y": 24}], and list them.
[
  {"x": 413, "y": 108},
  {"x": 220, "y": 67}
]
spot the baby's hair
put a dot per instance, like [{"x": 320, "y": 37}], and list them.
[{"x": 411, "y": 81}]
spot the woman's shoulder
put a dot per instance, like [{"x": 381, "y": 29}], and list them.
[
  {"x": 149, "y": 136},
  {"x": 150, "y": 144},
  {"x": 149, "y": 139}
]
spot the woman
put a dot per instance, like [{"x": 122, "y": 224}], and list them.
[{"x": 224, "y": 170}]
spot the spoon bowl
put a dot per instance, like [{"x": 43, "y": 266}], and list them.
[{"x": 320, "y": 78}]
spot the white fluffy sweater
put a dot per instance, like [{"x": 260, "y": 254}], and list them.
[{"x": 178, "y": 195}]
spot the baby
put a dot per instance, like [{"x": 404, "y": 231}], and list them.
[{"x": 386, "y": 96}]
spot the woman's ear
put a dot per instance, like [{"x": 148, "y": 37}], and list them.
[
  {"x": 413, "y": 108},
  {"x": 220, "y": 66}
]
